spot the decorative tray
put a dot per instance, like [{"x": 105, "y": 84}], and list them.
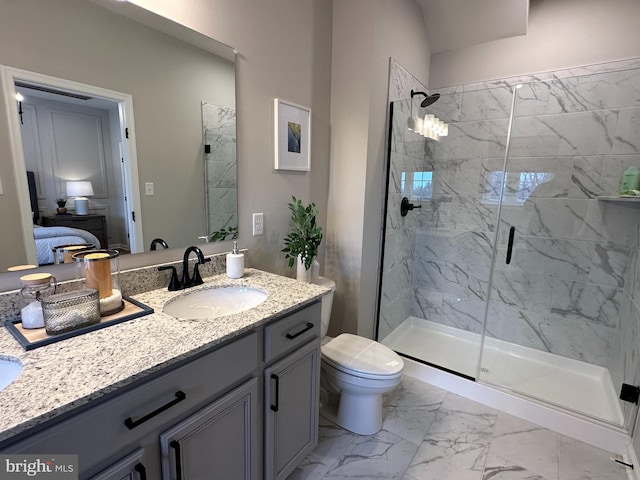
[{"x": 38, "y": 337}]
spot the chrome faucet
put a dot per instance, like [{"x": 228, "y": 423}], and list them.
[{"x": 196, "y": 279}]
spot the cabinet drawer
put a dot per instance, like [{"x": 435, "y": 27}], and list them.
[
  {"x": 283, "y": 336},
  {"x": 84, "y": 224},
  {"x": 100, "y": 432}
]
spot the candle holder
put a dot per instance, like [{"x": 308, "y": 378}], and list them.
[
  {"x": 65, "y": 253},
  {"x": 100, "y": 269}
]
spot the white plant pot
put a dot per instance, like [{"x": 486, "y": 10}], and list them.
[{"x": 302, "y": 274}]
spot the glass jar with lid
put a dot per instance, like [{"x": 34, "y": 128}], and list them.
[{"x": 35, "y": 287}]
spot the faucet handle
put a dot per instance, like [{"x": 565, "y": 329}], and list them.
[
  {"x": 174, "y": 283},
  {"x": 186, "y": 281},
  {"x": 197, "y": 279}
]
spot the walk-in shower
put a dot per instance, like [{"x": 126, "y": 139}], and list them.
[{"x": 517, "y": 265}]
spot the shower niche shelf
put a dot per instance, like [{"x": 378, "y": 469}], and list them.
[{"x": 615, "y": 198}]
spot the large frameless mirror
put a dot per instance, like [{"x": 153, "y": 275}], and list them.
[{"x": 144, "y": 118}]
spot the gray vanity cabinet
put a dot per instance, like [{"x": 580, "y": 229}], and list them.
[
  {"x": 291, "y": 392},
  {"x": 218, "y": 441},
  {"x": 202, "y": 418},
  {"x": 132, "y": 467},
  {"x": 104, "y": 434}
]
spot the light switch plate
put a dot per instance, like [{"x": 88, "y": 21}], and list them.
[{"x": 148, "y": 189}]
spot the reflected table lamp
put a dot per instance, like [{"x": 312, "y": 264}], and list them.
[{"x": 80, "y": 191}]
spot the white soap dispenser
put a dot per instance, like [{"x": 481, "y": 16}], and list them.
[{"x": 235, "y": 262}]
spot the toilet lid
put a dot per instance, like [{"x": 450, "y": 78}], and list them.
[{"x": 361, "y": 355}]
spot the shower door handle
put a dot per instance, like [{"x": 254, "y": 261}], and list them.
[{"x": 512, "y": 233}]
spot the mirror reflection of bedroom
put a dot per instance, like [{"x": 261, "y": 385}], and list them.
[{"x": 72, "y": 153}]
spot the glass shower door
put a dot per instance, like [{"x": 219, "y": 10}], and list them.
[
  {"x": 437, "y": 258},
  {"x": 560, "y": 322}
]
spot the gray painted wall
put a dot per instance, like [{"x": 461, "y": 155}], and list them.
[{"x": 561, "y": 34}]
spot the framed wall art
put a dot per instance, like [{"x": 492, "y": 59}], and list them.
[{"x": 292, "y": 136}]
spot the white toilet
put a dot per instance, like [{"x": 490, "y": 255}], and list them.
[{"x": 360, "y": 370}]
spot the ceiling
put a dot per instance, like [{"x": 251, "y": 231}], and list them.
[{"x": 453, "y": 24}]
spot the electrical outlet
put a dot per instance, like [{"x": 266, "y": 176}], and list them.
[
  {"x": 258, "y": 224},
  {"x": 148, "y": 189}
]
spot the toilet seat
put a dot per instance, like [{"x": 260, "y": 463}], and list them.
[{"x": 362, "y": 357}]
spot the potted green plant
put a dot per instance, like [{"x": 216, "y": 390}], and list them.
[
  {"x": 61, "y": 202},
  {"x": 304, "y": 237}
]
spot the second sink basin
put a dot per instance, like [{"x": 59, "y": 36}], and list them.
[
  {"x": 214, "y": 302},
  {"x": 10, "y": 368}
]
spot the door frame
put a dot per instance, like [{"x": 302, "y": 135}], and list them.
[{"x": 8, "y": 77}]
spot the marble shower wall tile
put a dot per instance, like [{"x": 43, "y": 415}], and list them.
[
  {"x": 489, "y": 104},
  {"x": 464, "y": 212},
  {"x": 456, "y": 280},
  {"x": 401, "y": 82},
  {"x": 462, "y": 247},
  {"x": 523, "y": 290},
  {"x": 584, "y": 133},
  {"x": 606, "y": 223},
  {"x": 465, "y": 312},
  {"x": 627, "y": 135},
  {"x": 590, "y": 342},
  {"x": 583, "y": 301},
  {"x": 484, "y": 139},
  {"x": 515, "y": 325},
  {"x": 565, "y": 259}
]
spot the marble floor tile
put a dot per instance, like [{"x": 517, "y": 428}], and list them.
[
  {"x": 456, "y": 445},
  {"x": 454, "y": 456},
  {"x": 522, "y": 444},
  {"x": 431, "y": 434},
  {"x": 411, "y": 408},
  {"x": 509, "y": 471},
  {"x": 579, "y": 461},
  {"x": 332, "y": 442},
  {"x": 383, "y": 455}
]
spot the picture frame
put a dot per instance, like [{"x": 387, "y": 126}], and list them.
[{"x": 292, "y": 136}]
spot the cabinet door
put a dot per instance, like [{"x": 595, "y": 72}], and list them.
[
  {"x": 291, "y": 410},
  {"x": 130, "y": 467},
  {"x": 218, "y": 441}
]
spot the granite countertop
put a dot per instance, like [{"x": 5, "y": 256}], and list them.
[{"x": 71, "y": 373}]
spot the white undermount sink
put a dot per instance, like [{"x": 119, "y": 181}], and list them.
[
  {"x": 10, "y": 368},
  {"x": 214, "y": 302}
]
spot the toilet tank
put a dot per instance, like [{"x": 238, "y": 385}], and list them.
[{"x": 327, "y": 302}]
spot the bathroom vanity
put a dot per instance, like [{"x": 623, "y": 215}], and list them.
[{"x": 159, "y": 397}]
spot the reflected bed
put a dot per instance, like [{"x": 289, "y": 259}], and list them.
[{"x": 49, "y": 237}]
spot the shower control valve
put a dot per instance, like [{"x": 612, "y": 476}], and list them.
[{"x": 405, "y": 206}]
